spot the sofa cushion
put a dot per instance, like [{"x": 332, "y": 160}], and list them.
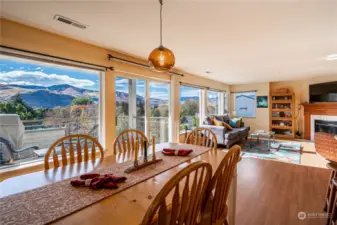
[
  {"x": 208, "y": 121},
  {"x": 233, "y": 134},
  {"x": 235, "y": 122},
  {"x": 218, "y": 122},
  {"x": 229, "y": 127},
  {"x": 224, "y": 118}
]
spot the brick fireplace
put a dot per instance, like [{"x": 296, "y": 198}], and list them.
[{"x": 319, "y": 117}]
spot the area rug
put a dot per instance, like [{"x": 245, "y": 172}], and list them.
[{"x": 280, "y": 150}]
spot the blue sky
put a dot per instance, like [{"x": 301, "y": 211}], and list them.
[
  {"x": 157, "y": 90},
  {"x": 24, "y": 72}
]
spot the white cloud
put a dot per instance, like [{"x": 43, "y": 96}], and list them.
[
  {"x": 122, "y": 81},
  {"x": 42, "y": 79},
  {"x": 39, "y": 69},
  {"x": 24, "y": 83},
  {"x": 189, "y": 93},
  {"x": 159, "y": 85}
]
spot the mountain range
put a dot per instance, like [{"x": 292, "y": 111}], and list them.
[{"x": 62, "y": 95}]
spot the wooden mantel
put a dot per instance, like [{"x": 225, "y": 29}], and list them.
[{"x": 328, "y": 109}]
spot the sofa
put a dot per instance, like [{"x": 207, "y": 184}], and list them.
[{"x": 224, "y": 136}]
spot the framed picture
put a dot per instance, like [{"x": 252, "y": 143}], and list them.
[
  {"x": 245, "y": 104},
  {"x": 262, "y": 101}
]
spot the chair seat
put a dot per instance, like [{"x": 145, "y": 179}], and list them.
[{"x": 206, "y": 218}]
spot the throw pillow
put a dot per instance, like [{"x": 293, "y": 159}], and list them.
[
  {"x": 218, "y": 123},
  {"x": 209, "y": 121},
  {"x": 233, "y": 123},
  {"x": 236, "y": 122},
  {"x": 228, "y": 127}
]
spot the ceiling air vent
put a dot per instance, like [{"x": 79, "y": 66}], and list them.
[{"x": 70, "y": 22}]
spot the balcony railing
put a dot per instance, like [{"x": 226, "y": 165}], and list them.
[{"x": 158, "y": 126}]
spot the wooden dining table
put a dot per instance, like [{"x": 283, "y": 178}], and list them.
[{"x": 126, "y": 207}]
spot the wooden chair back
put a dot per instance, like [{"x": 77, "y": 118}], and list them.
[
  {"x": 219, "y": 186},
  {"x": 83, "y": 143},
  {"x": 203, "y": 137},
  {"x": 126, "y": 141},
  {"x": 179, "y": 201}
]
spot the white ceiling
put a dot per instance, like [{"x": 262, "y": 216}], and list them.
[{"x": 241, "y": 41}]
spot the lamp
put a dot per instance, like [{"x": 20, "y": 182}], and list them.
[{"x": 161, "y": 59}]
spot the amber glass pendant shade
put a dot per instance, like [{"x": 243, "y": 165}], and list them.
[{"x": 161, "y": 59}]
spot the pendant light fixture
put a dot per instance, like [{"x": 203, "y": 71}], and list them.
[{"x": 161, "y": 59}]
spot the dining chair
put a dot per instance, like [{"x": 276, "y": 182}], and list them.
[
  {"x": 203, "y": 137},
  {"x": 126, "y": 141},
  {"x": 179, "y": 201},
  {"x": 65, "y": 145},
  {"x": 326, "y": 146},
  {"x": 215, "y": 208},
  {"x": 332, "y": 220}
]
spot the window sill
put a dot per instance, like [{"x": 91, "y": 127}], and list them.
[
  {"x": 13, "y": 170},
  {"x": 30, "y": 166}
]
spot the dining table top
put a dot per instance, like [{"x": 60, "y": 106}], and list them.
[{"x": 126, "y": 207}]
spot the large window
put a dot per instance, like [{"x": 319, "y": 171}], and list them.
[
  {"x": 131, "y": 110},
  {"x": 245, "y": 104},
  {"x": 41, "y": 103},
  {"x": 189, "y": 107},
  {"x": 213, "y": 103}
]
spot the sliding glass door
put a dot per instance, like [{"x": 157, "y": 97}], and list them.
[
  {"x": 133, "y": 112},
  {"x": 159, "y": 111},
  {"x": 130, "y": 104}
]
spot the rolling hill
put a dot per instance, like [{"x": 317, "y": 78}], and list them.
[{"x": 60, "y": 95}]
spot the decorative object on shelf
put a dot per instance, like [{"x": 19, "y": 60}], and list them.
[
  {"x": 146, "y": 162},
  {"x": 261, "y": 101},
  {"x": 161, "y": 59},
  {"x": 282, "y": 90}
]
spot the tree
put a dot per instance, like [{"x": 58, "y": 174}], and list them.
[
  {"x": 190, "y": 107},
  {"x": 82, "y": 101},
  {"x": 19, "y": 107}
]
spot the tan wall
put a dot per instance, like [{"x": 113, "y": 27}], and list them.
[
  {"x": 261, "y": 121},
  {"x": 32, "y": 39},
  {"x": 301, "y": 90}
]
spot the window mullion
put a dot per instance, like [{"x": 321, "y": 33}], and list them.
[{"x": 147, "y": 108}]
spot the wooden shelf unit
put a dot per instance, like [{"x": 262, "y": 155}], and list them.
[{"x": 286, "y": 100}]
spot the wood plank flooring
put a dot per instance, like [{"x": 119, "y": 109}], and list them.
[{"x": 272, "y": 193}]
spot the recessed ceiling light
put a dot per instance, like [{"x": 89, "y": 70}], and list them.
[{"x": 331, "y": 57}]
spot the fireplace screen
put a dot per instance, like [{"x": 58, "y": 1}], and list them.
[{"x": 329, "y": 127}]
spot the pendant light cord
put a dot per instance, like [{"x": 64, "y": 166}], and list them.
[{"x": 161, "y": 22}]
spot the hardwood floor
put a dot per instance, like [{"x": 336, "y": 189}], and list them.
[{"x": 272, "y": 193}]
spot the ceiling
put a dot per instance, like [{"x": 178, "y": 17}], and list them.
[{"x": 241, "y": 41}]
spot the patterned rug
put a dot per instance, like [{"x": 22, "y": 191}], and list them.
[{"x": 280, "y": 150}]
